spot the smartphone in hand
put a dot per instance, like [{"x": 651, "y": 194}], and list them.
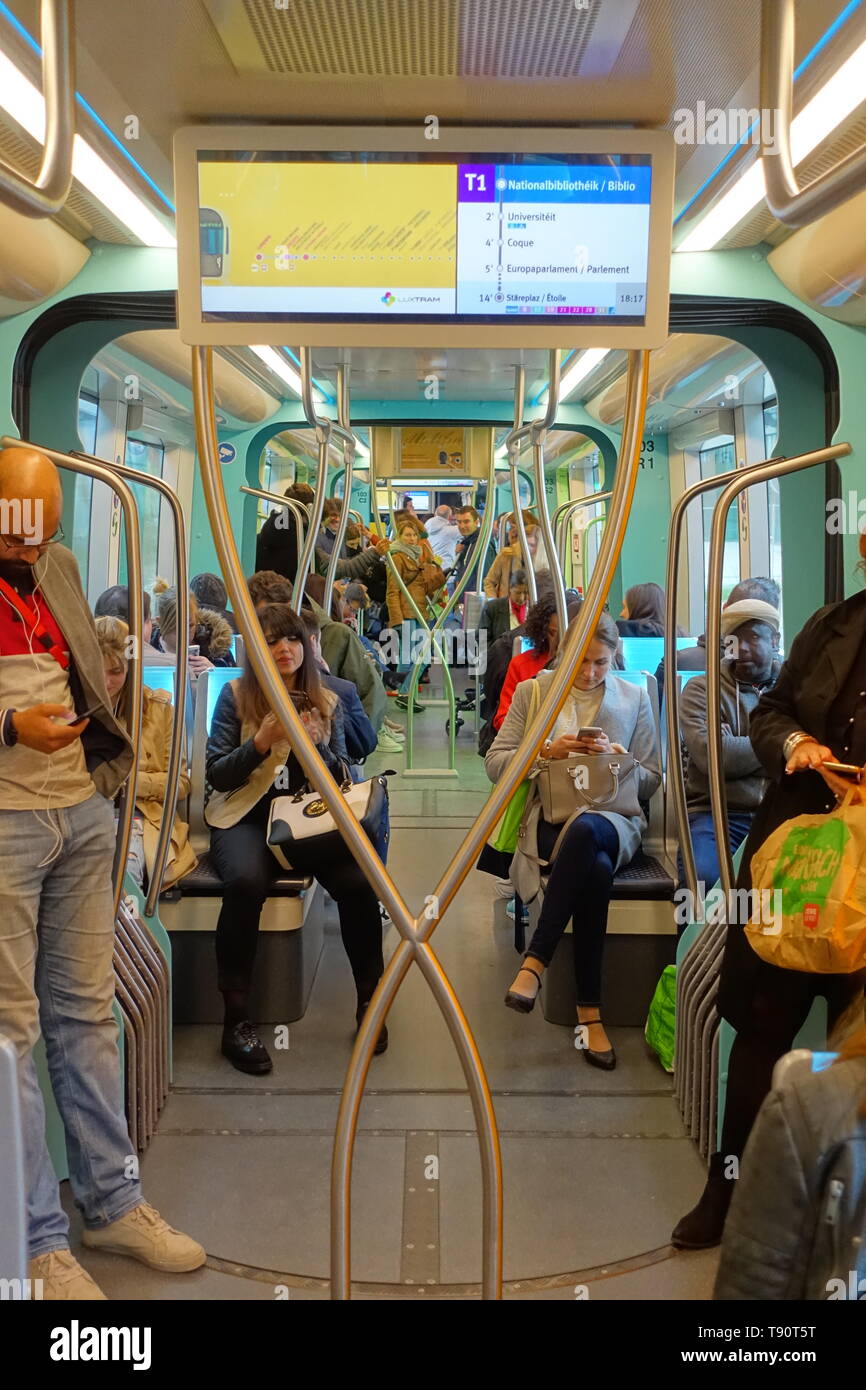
[
  {"x": 77, "y": 718},
  {"x": 850, "y": 770}
]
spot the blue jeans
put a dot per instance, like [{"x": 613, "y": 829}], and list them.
[
  {"x": 409, "y": 627},
  {"x": 56, "y": 972},
  {"x": 704, "y": 842}
]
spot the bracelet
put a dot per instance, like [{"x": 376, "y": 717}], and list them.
[{"x": 792, "y": 741}]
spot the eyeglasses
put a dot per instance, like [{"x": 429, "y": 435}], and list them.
[{"x": 16, "y": 543}]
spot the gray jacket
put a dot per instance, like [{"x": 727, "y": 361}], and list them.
[
  {"x": 108, "y": 752},
  {"x": 626, "y": 718},
  {"x": 798, "y": 1205},
  {"x": 745, "y": 780}
]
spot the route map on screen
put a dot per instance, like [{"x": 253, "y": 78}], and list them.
[{"x": 371, "y": 237}]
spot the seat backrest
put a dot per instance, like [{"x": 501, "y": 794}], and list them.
[
  {"x": 207, "y": 691},
  {"x": 654, "y": 835}
]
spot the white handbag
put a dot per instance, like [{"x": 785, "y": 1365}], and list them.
[{"x": 304, "y": 817}]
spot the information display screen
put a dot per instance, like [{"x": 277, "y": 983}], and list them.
[{"x": 549, "y": 237}]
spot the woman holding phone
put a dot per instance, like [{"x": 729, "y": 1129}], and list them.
[
  {"x": 249, "y": 761},
  {"x": 602, "y": 714},
  {"x": 813, "y": 718}
]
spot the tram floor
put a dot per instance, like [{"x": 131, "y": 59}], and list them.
[{"x": 597, "y": 1167}]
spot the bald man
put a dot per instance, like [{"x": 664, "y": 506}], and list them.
[{"x": 58, "y": 776}]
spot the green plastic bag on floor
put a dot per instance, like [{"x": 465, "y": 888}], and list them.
[{"x": 661, "y": 1021}]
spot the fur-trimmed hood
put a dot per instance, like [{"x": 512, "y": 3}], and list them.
[{"x": 219, "y": 634}]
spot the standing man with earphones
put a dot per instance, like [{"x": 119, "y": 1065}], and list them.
[{"x": 57, "y": 781}]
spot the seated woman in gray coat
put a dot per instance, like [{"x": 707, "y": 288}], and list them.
[{"x": 596, "y": 843}]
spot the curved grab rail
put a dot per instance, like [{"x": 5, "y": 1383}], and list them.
[
  {"x": 563, "y": 515},
  {"x": 104, "y": 473},
  {"x": 792, "y": 205},
  {"x": 453, "y": 876},
  {"x": 584, "y": 559},
  {"x": 172, "y": 779},
  {"x": 538, "y": 434},
  {"x": 47, "y": 193},
  {"x": 349, "y": 451},
  {"x": 514, "y": 441},
  {"x": 358, "y": 844},
  {"x": 323, "y": 428},
  {"x": 746, "y": 477}
]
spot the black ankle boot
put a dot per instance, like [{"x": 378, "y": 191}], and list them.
[
  {"x": 382, "y": 1040},
  {"x": 244, "y": 1048},
  {"x": 704, "y": 1224}
]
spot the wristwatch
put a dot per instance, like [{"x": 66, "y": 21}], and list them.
[
  {"x": 8, "y": 731},
  {"x": 793, "y": 740}
]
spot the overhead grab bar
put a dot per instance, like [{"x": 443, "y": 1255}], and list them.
[
  {"x": 349, "y": 451},
  {"x": 787, "y": 201},
  {"x": 47, "y": 194},
  {"x": 104, "y": 473},
  {"x": 745, "y": 477},
  {"x": 172, "y": 780}
]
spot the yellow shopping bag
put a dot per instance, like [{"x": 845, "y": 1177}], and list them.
[{"x": 811, "y": 874}]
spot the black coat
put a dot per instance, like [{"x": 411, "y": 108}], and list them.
[
  {"x": 496, "y": 619},
  {"x": 277, "y": 546},
  {"x": 820, "y": 660}
]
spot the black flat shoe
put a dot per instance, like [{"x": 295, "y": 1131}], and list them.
[
  {"x": 606, "y": 1060},
  {"x": 245, "y": 1050},
  {"x": 519, "y": 1002},
  {"x": 382, "y": 1040},
  {"x": 402, "y": 702}
]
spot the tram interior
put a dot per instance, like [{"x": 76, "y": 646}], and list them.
[{"x": 763, "y": 359}]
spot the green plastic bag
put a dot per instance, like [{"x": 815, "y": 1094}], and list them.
[
  {"x": 661, "y": 1021},
  {"x": 505, "y": 837}
]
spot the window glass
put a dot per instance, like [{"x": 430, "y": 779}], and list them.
[
  {"x": 88, "y": 421},
  {"x": 146, "y": 456}
]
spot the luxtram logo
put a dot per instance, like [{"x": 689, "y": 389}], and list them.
[{"x": 389, "y": 298}]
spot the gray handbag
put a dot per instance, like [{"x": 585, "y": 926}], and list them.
[{"x": 587, "y": 782}]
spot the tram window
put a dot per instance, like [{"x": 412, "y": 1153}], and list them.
[
  {"x": 147, "y": 456},
  {"x": 88, "y": 423}
]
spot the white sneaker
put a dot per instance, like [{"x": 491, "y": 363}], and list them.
[
  {"x": 395, "y": 730},
  {"x": 388, "y": 744},
  {"x": 144, "y": 1235},
  {"x": 63, "y": 1279}
]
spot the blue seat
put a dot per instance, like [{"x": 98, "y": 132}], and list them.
[{"x": 645, "y": 653}]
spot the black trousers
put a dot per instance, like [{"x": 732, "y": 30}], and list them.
[
  {"x": 248, "y": 868},
  {"x": 578, "y": 888}
]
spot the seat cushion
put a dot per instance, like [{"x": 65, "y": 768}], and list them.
[
  {"x": 205, "y": 882},
  {"x": 644, "y": 877}
]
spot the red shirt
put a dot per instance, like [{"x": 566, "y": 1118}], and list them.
[
  {"x": 521, "y": 668},
  {"x": 16, "y": 640}
]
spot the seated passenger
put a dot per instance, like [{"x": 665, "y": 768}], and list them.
[
  {"x": 502, "y": 615},
  {"x": 114, "y": 603},
  {"x": 542, "y": 629},
  {"x": 595, "y": 844},
  {"x": 497, "y": 580},
  {"x": 754, "y": 627},
  {"x": 211, "y": 594},
  {"x": 208, "y": 631},
  {"x": 495, "y": 663},
  {"x": 643, "y": 612},
  {"x": 247, "y": 748},
  {"x": 695, "y": 658},
  {"x": 343, "y": 651},
  {"x": 150, "y": 783}
]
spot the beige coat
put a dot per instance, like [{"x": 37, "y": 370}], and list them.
[
  {"x": 411, "y": 573},
  {"x": 497, "y": 580},
  {"x": 150, "y": 788}
]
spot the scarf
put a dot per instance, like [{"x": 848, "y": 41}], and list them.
[
  {"x": 519, "y": 611},
  {"x": 413, "y": 551}
]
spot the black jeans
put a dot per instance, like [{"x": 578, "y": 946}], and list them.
[
  {"x": 248, "y": 868},
  {"x": 579, "y": 889}
]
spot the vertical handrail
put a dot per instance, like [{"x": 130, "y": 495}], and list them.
[
  {"x": 349, "y": 450},
  {"x": 103, "y": 473},
  {"x": 377, "y": 876},
  {"x": 514, "y": 441},
  {"x": 322, "y": 427},
  {"x": 172, "y": 780},
  {"x": 792, "y": 205},
  {"x": 453, "y": 876},
  {"x": 298, "y": 512},
  {"x": 538, "y": 431},
  {"x": 564, "y": 515},
  {"x": 745, "y": 477},
  {"x": 46, "y": 195}
]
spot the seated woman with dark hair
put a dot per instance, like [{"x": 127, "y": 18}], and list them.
[{"x": 249, "y": 761}]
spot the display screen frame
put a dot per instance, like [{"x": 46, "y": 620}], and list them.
[{"x": 528, "y": 331}]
